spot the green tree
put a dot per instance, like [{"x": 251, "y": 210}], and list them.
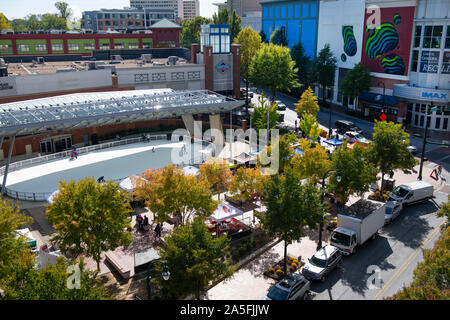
[
  {"x": 90, "y": 217},
  {"x": 307, "y": 104},
  {"x": 432, "y": 276},
  {"x": 278, "y": 37},
  {"x": 194, "y": 259},
  {"x": 168, "y": 191},
  {"x": 52, "y": 21},
  {"x": 322, "y": 73},
  {"x": 445, "y": 210},
  {"x": 355, "y": 172},
  {"x": 64, "y": 11},
  {"x": 272, "y": 67},
  {"x": 51, "y": 284},
  {"x": 12, "y": 249},
  {"x": 259, "y": 116},
  {"x": 222, "y": 17},
  {"x": 309, "y": 125},
  {"x": 250, "y": 42},
  {"x": 263, "y": 36},
  {"x": 302, "y": 62},
  {"x": 388, "y": 150},
  {"x": 313, "y": 163},
  {"x": 33, "y": 22},
  {"x": 235, "y": 25},
  {"x": 4, "y": 23},
  {"x": 190, "y": 32},
  {"x": 356, "y": 81},
  {"x": 291, "y": 207},
  {"x": 19, "y": 25}
]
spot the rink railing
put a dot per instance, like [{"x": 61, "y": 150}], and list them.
[{"x": 42, "y": 196}]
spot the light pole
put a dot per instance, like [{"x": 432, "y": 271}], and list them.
[
  {"x": 165, "y": 274},
  {"x": 319, "y": 245}
]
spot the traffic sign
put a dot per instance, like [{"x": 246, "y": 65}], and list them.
[
  {"x": 434, "y": 109},
  {"x": 383, "y": 117}
]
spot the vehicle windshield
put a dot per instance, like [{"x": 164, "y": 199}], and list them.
[
  {"x": 318, "y": 262},
  {"x": 389, "y": 210},
  {"x": 278, "y": 294},
  {"x": 340, "y": 238},
  {"x": 400, "y": 192}
]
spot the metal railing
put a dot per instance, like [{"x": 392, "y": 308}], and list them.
[{"x": 42, "y": 196}]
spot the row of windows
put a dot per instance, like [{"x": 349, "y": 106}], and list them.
[
  {"x": 122, "y": 23},
  {"x": 431, "y": 37},
  {"x": 71, "y": 47},
  {"x": 291, "y": 11},
  {"x": 119, "y": 16}
]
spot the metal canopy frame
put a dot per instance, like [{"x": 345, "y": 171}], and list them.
[{"x": 87, "y": 110}]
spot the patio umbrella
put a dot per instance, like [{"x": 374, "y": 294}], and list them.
[{"x": 334, "y": 142}]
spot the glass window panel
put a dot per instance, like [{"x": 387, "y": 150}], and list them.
[
  {"x": 428, "y": 31},
  {"x": 305, "y": 10},
  {"x": 438, "y": 123},
  {"x": 437, "y": 31}
]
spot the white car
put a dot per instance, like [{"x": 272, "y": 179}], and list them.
[
  {"x": 393, "y": 209},
  {"x": 352, "y": 136},
  {"x": 322, "y": 263}
]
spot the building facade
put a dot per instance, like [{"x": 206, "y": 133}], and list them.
[
  {"x": 242, "y": 7},
  {"x": 298, "y": 19},
  {"x": 175, "y": 5},
  {"x": 191, "y": 9},
  {"x": 124, "y": 19}
]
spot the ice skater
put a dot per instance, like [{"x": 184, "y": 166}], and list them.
[
  {"x": 74, "y": 154},
  {"x": 153, "y": 149}
]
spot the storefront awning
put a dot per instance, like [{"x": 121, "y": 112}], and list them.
[{"x": 377, "y": 98}]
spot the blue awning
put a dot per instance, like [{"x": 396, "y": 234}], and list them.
[
  {"x": 334, "y": 142},
  {"x": 377, "y": 98}
]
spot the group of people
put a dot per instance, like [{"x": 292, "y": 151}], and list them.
[{"x": 143, "y": 222}]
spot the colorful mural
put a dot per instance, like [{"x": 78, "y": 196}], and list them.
[
  {"x": 386, "y": 47},
  {"x": 348, "y": 36}
]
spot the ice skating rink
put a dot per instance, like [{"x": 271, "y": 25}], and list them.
[{"x": 114, "y": 163}]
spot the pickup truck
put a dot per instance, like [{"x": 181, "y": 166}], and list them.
[{"x": 357, "y": 224}]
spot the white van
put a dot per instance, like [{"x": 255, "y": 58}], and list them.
[{"x": 413, "y": 192}]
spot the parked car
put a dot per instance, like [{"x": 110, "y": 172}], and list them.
[
  {"x": 411, "y": 148},
  {"x": 250, "y": 94},
  {"x": 417, "y": 191},
  {"x": 393, "y": 209},
  {"x": 343, "y": 126},
  {"x": 353, "y": 136},
  {"x": 322, "y": 263},
  {"x": 281, "y": 105},
  {"x": 292, "y": 287}
]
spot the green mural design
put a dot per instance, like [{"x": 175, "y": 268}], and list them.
[
  {"x": 381, "y": 40},
  {"x": 397, "y": 19},
  {"x": 350, "y": 46},
  {"x": 393, "y": 64}
]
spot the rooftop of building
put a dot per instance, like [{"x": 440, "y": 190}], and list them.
[{"x": 53, "y": 67}]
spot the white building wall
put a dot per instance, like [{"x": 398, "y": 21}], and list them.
[{"x": 333, "y": 15}]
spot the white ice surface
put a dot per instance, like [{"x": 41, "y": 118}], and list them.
[{"x": 114, "y": 163}]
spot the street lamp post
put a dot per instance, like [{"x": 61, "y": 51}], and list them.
[
  {"x": 165, "y": 274},
  {"x": 319, "y": 245}
]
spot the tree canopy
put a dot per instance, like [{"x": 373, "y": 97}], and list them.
[
  {"x": 302, "y": 62},
  {"x": 272, "y": 67},
  {"x": 90, "y": 217},
  {"x": 216, "y": 172},
  {"x": 355, "y": 172},
  {"x": 388, "y": 150},
  {"x": 259, "y": 116},
  {"x": 246, "y": 182},
  {"x": 4, "y": 23},
  {"x": 312, "y": 164},
  {"x": 291, "y": 207},
  {"x": 309, "y": 125},
  {"x": 307, "y": 104},
  {"x": 194, "y": 259},
  {"x": 190, "y": 31},
  {"x": 278, "y": 37},
  {"x": 64, "y": 11},
  {"x": 233, "y": 19},
  {"x": 169, "y": 191},
  {"x": 356, "y": 81},
  {"x": 323, "y": 69}
]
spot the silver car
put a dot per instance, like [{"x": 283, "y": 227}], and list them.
[
  {"x": 393, "y": 209},
  {"x": 292, "y": 287},
  {"x": 322, "y": 262}
]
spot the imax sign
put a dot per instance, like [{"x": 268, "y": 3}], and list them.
[{"x": 434, "y": 95}]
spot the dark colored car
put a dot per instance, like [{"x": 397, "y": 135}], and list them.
[{"x": 343, "y": 126}]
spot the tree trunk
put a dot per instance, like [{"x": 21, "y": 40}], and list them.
[
  {"x": 382, "y": 182},
  {"x": 285, "y": 257},
  {"x": 246, "y": 93}
]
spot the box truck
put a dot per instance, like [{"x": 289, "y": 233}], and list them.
[{"x": 357, "y": 224}]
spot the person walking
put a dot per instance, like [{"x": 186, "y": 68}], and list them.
[{"x": 158, "y": 231}]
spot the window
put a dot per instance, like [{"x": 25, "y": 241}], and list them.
[
  {"x": 421, "y": 121},
  {"x": 432, "y": 37},
  {"x": 415, "y": 60},
  {"x": 438, "y": 123},
  {"x": 417, "y": 35},
  {"x": 73, "y": 47},
  {"x": 57, "y": 47},
  {"x": 89, "y": 46},
  {"x": 416, "y": 119},
  {"x": 445, "y": 124},
  {"x": 23, "y": 47}
]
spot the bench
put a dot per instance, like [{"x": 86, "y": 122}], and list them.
[{"x": 115, "y": 262}]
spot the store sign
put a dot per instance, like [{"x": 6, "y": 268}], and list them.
[
  {"x": 429, "y": 62},
  {"x": 6, "y": 86},
  {"x": 446, "y": 63},
  {"x": 222, "y": 67},
  {"x": 434, "y": 95}
]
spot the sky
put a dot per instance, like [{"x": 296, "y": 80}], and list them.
[{"x": 13, "y": 9}]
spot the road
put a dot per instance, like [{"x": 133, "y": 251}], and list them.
[{"x": 384, "y": 265}]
